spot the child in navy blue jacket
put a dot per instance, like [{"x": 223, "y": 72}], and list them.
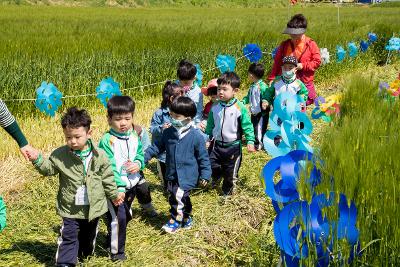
[
  {"x": 187, "y": 161},
  {"x": 161, "y": 121}
]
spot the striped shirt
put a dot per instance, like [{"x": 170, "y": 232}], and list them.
[{"x": 6, "y": 119}]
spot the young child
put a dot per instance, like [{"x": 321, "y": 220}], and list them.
[
  {"x": 259, "y": 115},
  {"x": 211, "y": 92},
  {"x": 86, "y": 182},
  {"x": 187, "y": 161},
  {"x": 286, "y": 83},
  {"x": 161, "y": 121},
  {"x": 124, "y": 149},
  {"x": 187, "y": 75},
  {"x": 226, "y": 122}
]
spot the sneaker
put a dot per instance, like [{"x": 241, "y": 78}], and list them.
[
  {"x": 215, "y": 182},
  {"x": 151, "y": 213},
  {"x": 149, "y": 210},
  {"x": 187, "y": 223},
  {"x": 171, "y": 226},
  {"x": 118, "y": 257}
]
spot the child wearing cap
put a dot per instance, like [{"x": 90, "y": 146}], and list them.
[
  {"x": 259, "y": 115},
  {"x": 210, "y": 91},
  {"x": 288, "y": 82}
]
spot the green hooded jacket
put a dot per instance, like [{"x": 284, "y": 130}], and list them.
[{"x": 70, "y": 169}]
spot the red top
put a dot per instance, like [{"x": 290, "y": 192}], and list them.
[
  {"x": 310, "y": 58},
  {"x": 207, "y": 108}
]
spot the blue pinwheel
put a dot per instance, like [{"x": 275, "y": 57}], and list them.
[
  {"x": 364, "y": 46},
  {"x": 48, "y": 98},
  {"x": 199, "y": 75},
  {"x": 225, "y": 63},
  {"x": 300, "y": 223},
  {"x": 372, "y": 37},
  {"x": 290, "y": 128},
  {"x": 287, "y": 233},
  {"x": 107, "y": 89},
  {"x": 274, "y": 52},
  {"x": 290, "y": 169},
  {"x": 347, "y": 221},
  {"x": 252, "y": 52},
  {"x": 353, "y": 49},
  {"x": 340, "y": 53},
  {"x": 393, "y": 44}
]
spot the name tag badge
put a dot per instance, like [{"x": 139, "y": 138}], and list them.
[{"x": 81, "y": 197}]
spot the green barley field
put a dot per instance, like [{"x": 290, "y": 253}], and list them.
[{"x": 78, "y": 43}]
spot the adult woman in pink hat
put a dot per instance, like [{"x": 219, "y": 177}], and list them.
[{"x": 304, "y": 49}]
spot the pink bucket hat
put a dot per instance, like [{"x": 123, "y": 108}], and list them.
[{"x": 211, "y": 84}]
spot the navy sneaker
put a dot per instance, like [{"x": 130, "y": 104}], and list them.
[
  {"x": 171, "y": 226},
  {"x": 187, "y": 223}
]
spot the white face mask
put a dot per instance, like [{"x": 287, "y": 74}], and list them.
[
  {"x": 289, "y": 74},
  {"x": 179, "y": 123}
]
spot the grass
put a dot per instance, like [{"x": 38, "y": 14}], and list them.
[
  {"x": 150, "y": 3},
  {"x": 77, "y": 47},
  {"x": 360, "y": 153}
]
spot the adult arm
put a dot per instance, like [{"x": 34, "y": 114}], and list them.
[
  {"x": 8, "y": 122},
  {"x": 315, "y": 60}
]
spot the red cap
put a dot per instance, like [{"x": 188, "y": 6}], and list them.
[{"x": 212, "y": 83}]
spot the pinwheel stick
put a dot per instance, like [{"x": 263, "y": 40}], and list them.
[{"x": 388, "y": 57}]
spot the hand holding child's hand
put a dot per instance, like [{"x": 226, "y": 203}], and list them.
[
  {"x": 250, "y": 148},
  {"x": 120, "y": 199},
  {"x": 32, "y": 154},
  {"x": 132, "y": 167}
]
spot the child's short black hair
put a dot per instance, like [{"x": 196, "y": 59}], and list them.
[
  {"x": 119, "y": 104},
  {"x": 186, "y": 70},
  {"x": 185, "y": 106},
  {"x": 167, "y": 92},
  {"x": 230, "y": 78},
  {"x": 212, "y": 91},
  {"x": 75, "y": 118},
  {"x": 297, "y": 21},
  {"x": 257, "y": 69}
]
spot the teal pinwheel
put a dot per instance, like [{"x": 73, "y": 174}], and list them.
[{"x": 48, "y": 98}]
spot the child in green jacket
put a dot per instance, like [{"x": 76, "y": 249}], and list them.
[
  {"x": 86, "y": 182},
  {"x": 123, "y": 147},
  {"x": 258, "y": 113},
  {"x": 226, "y": 123}
]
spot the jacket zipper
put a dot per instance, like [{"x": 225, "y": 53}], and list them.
[{"x": 222, "y": 124}]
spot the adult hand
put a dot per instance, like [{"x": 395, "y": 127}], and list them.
[
  {"x": 26, "y": 150},
  {"x": 299, "y": 66}
]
